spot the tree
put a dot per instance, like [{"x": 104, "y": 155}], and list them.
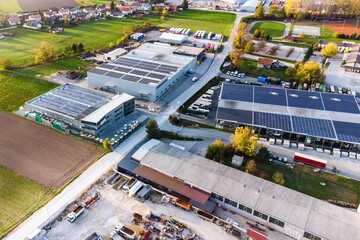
[
  {"x": 273, "y": 10},
  {"x": 261, "y": 45},
  {"x": 302, "y": 35},
  {"x": 185, "y": 5},
  {"x": 353, "y": 35},
  {"x": 66, "y": 21},
  {"x": 236, "y": 57},
  {"x": 278, "y": 178},
  {"x": 111, "y": 45},
  {"x": 263, "y": 154},
  {"x": 291, "y": 50},
  {"x": 299, "y": 17},
  {"x": 259, "y": 13},
  {"x": 44, "y": 53},
  {"x": 249, "y": 48},
  {"x": 216, "y": 151},
  {"x": 7, "y": 63},
  {"x": 257, "y": 33},
  {"x": 239, "y": 42},
  {"x": 152, "y": 129},
  {"x": 112, "y": 5},
  {"x": 133, "y": 27},
  {"x": 126, "y": 31},
  {"x": 80, "y": 48},
  {"x": 67, "y": 49},
  {"x": 162, "y": 18},
  {"x": 336, "y": 35},
  {"x": 158, "y": 9},
  {"x": 74, "y": 47},
  {"x": 311, "y": 73},
  {"x": 107, "y": 145},
  {"x": 273, "y": 50},
  {"x": 244, "y": 141},
  {"x": 329, "y": 50},
  {"x": 251, "y": 167},
  {"x": 164, "y": 12}
]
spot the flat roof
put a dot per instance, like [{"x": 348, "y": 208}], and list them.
[
  {"x": 195, "y": 51},
  {"x": 313, "y": 215},
  {"x": 316, "y": 114},
  {"x": 70, "y": 100},
  {"x": 115, "y": 102},
  {"x": 150, "y": 64},
  {"x": 174, "y": 37}
]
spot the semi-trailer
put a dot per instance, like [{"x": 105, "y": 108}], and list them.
[{"x": 71, "y": 217}]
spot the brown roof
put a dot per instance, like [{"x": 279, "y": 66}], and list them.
[
  {"x": 265, "y": 61},
  {"x": 353, "y": 58},
  {"x": 172, "y": 183}
]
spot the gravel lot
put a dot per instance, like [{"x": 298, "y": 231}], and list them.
[{"x": 308, "y": 30}]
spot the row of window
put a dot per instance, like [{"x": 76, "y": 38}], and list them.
[{"x": 311, "y": 236}]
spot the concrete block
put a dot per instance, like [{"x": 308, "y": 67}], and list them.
[
  {"x": 320, "y": 150},
  {"x": 327, "y": 151},
  {"x": 301, "y": 146},
  {"x": 293, "y": 145},
  {"x": 344, "y": 154},
  {"x": 272, "y": 141},
  {"x": 352, "y": 155}
]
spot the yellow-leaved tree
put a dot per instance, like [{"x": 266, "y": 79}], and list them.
[
  {"x": 245, "y": 141},
  {"x": 44, "y": 53},
  {"x": 331, "y": 49}
]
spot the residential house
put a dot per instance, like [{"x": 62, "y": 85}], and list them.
[
  {"x": 136, "y": 6},
  {"x": 352, "y": 63},
  {"x": 291, "y": 38},
  {"x": 146, "y": 7},
  {"x": 54, "y": 9},
  {"x": 88, "y": 10},
  {"x": 56, "y": 30},
  {"x": 32, "y": 24},
  {"x": 116, "y": 14},
  {"x": 63, "y": 13},
  {"x": 265, "y": 62},
  {"x": 118, "y": 5},
  {"x": 36, "y": 18},
  {"x": 48, "y": 14},
  {"x": 14, "y": 20},
  {"x": 126, "y": 9},
  {"x": 342, "y": 47},
  {"x": 172, "y": 7},
  {"x": 277, "y": 65},
  {"x": 229, "y": 66},
  {"x": 75, "y": 10},
  {"x": 66, "y": 8},
  {"x": 100, "y": 8},
  {"x": 255, "y": 234}
]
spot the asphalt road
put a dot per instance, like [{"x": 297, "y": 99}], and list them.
[{"x": 47, "y": 213}]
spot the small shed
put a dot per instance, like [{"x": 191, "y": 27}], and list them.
[
  {"x": 237, "y": 160},
  {"x": 115, "y": 54},
  {"x": 265, "y": 62}
]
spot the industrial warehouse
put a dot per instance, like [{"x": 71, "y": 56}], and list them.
[
  {"x": 147, "y": 72},
  {"x": 324, "y": 119},
  {"x": 82, "y": 108},
  {"x": 205, "y": 183}
]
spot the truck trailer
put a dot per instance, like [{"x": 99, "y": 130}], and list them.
[
  {"x": 125, "y": 231},
  {"x": 71, "y": 217},
  {"x": 181, "y": 203},
  {"x": 310, "y": 160}
]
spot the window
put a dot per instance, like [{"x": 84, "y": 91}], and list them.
[
  {"x": 232, "y": 203},
  {"x": 277, "y": 222},
  {"x": 244, "y": 208},
  {"x": 218, "y": 197},
  {"x": 311, "y": 236},
  {"x": 260, "y": 215}
]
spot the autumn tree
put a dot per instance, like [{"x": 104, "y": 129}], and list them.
[
  {"x": 259, "y": 13},
  {"x": 66, "y": 21},
  {"x": 7, "y": 63},
  {"x": 336, "y": 35},
  {"x": 299, "y": 17},
  {"x": 251, "y": 167},
  {"x": 44, "y": 53},
  {"x": 278, "y": 178},
  {"x": 353, "y": 35},
  {"x": 261, "y": 45},
  {"x": 273, "y": 10},
  {"x": 107, "y": 145},
  {"x": 126, "y": 31},
  {"x": 158, "y": 9},
  {"x": 302, "y": 35},
  {"x": 244, "y": 141},
  {"x": 310, "y": 72},
  {"x": 249, "y": 48},
  {"x": 164, "y": 12},
  {"x": 216, "y": 151},
  {"x": 236, "y": 57},
  {"x": 329, "y": 50},
  {"x": 162, "y": 18}
]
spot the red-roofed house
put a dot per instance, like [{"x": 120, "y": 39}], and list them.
[
  {"x": 291, "y": 38},
  {"x": 255, "y": 234},
  {"x": 48, "y": 13},
  {"x": 264, "y": 62},
  {"x": 36, "y": 18},
  {"x": 172, "y": 6},
  {"x": 13, "y": 20},
  {"x": 126, "y": 9}
]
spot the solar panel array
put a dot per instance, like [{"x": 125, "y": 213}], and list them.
[
  {"x": 70, "y": 100},
  {"x": 135, "y": 70},
  {"x": 300, "y": 112}
]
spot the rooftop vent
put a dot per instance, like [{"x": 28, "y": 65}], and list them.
[
  {"x": 336, "y": 99},
  {"x": 244, "y": 185},
  {"x": 273, "y": 197},
  {"x": 313, "y": 97},
  {"x": 258, "y": 191},
  {"x": 274, "y": 93},
  {"x": 293, "y": 95}
]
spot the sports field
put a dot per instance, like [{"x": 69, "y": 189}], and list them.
[
  {"x": 273, "y": 28},
  {"x": 99, "y": 34},
  {"x": 19, "y": 198},
  {"x": 346, "y": 28}
]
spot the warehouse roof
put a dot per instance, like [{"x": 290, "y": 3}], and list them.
[
  {"x": 173, "y": 37},
  {"x": 315, "y": 216},
  {"x": 325, "y": 115},
  {"x": 191, "y": 51}
]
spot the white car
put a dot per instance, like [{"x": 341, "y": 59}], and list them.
[{"x": 194, "y": 79}]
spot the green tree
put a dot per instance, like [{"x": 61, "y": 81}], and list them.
[
  {"x": 7, "y": 63},
  {"x": 67, "y": 49},
  {"x": 251, "y": 167},
  {"x": 152, "y": 129},
  {"x": 273, "y": 10},
  {"x": 353, "y": 35},
  {"x": 216, "y": 151},
  {"x": 185, "y": 5},
  {"x": 336, "y": 35},
  {"x": 249, "y": 48},
  {"x": 278, "y": 178},
  {"x": 299, "y": 17},
  {"x": 74, "y": 47},
  {"x": 44, "y": 53},
  {"x": 244, "y": 141},
  {"x": 259, "y": 13},
  {"x": 107, "y": 145},
  {"x": 80, "y": 48},
  {"x": 263, "y": 154},
  {"x": 329, "y": 50},
  {"x": 236, "y": 57},
  {"x": 112, "y": 5},
  {"x": 66, "y": 21}
]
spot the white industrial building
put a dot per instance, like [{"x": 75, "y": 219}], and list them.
[
  {"x": 250, "y": 6},
  {"x": 115, "y": 54},
  {"x": 173, "y": 38},
  {"x": 235, "y": 1},
  {"x": 147, "y": 72}
]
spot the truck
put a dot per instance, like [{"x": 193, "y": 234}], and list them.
[
  {"x": 91, "y": 200},
  {"x": 120, "y": 183},
  {"x": 129, "y": 184},
  {"x": 115, "y": 236},
  {"x": 71, "y": 217},
  {"x": 205, "y": 215},
  {"x": 94, "y": 236},
  {"x": 310, "y": 160},
  {"x": 125, "y": 231},
  {"x": 181, "y": 203},
  {"x": 113, "y": 178},
  {"x": 143, "y": 193},
  {"x": 134, "y": 189}
]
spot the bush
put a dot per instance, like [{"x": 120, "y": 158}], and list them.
[
  {"x": 291, "y": 50},
  {"x": 336, "y": 35},
  {"x": 7, "y": 63},
  {"x": 152, "y": 129},
  {"x": 263, "y": 154}
]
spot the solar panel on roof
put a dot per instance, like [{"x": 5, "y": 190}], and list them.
[
  {"x": 114, "y": 74},
  {"x": 271, "y": 120},
  {"x": 147, "y": 80},
  {"x": 237, "y": 92},
  {"x": 122, "y": 69},
  {"x": 304, "y": 99},
  {"x": 131, "y": 78},
  {"x": 107, "y": 66},
  {"x": 150, "y": 64},
  {"x": 349, "y": 132},
  {"x": 128, "y": 60},
  {"x": 163, "y": 71},
  {"x": 240, "y": 116},
  {"x": 146, "y": 67},
  {"x": 274, "y": 96},
  {"x": 138, "y": 72},
  {"x": 155, "y": 75},
  {"x": 314, "y": 127},
  {"x": 340, "y": 103},
  {"x": 98, "y": 71}
]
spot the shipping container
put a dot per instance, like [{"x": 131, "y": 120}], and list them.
[{"x": 310, "y": 160}]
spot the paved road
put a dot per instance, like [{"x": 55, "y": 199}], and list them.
[{"x": 56, "y": 205}]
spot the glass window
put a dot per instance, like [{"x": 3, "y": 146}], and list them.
[
  {"x": 260, "y": 215},
  {"x": 277, "y": 222},
  {"x": 244, "y": 208},
  {"x": 230, "y": 202},
  {"x": 218, "y": 197},
  {"x": 311, "y": 236}
]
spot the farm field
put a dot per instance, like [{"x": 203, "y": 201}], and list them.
[
  {"x": 17, "y": 88},
  {"x": 9, "y": 6},
  {"x": 99, "y": 34},
  {"x": 41, "y": 154},
  {"x": 19, "y": 198},
  {"x": 273, "y": 28}
]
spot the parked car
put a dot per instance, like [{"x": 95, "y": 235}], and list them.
[
  {"x": 228, "y": 73},
  {"x": 194, "y": 79}
]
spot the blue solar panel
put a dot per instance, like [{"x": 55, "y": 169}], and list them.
[
  {"x": 314, "y": 127},
  {"x": 274, "y": 96},
  {"x": 240, "y": 116},
  {"x": 340, "y": 103},
  {"x": 304, "y": 99},
  {"x": 349, "y": 132},
  {"x": 271, "y": 120},
  {"x": 237, "y": 92}
]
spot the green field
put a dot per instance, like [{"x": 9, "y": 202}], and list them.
[
  {"x": 19, "y": 198},
  {"x": 99, "y": 34},
  {"x": 17, "y": 88},
  {"x": 273, "y": 28},
  {"x": 9, "y": 6}
]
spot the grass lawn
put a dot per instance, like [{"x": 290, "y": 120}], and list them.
[
  {"x": 17, "y": 88},
  {"x": 250, "y": 68},
  {"x": 9, "y": 6},
  {"x": 291, "y": 29},
  {"x": 19, "y": 198},
  {"x": 91, "y": 2},
  {"x": 99, "y": 34},
  {"x": 303, "y": 179},
  {"x": 273, "y": 28}
]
